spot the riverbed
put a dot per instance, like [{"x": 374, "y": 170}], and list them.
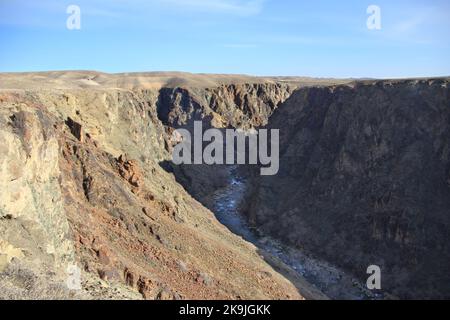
[{"x": 333, "y": 282}]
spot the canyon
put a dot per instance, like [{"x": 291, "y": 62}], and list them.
[{"x": 87, "y": 179}]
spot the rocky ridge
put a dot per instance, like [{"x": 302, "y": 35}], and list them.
[
  {"x": 364, "y": 180},
  {"x": 86, "y": 180},
  {"x": 81, "y": 184}
]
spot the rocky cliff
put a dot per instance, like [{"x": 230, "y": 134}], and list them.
[
  {"x": 86, "y": 181},
  {"x": 81, "y": 185},
  {"x": 238, "y": 106},
  {"x": 365, "y": 180}
]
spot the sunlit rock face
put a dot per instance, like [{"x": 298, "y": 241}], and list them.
[
  {"x": 86, "y": 180},
  {"x": 81, "y": 184}
]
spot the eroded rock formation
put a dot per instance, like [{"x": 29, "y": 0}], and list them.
[
  {"x": 364, "y": 179},
  {"x": 85, "y": 180},
  {"x": 81, "y": 184}
]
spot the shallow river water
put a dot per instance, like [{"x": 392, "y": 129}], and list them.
[{"x": 333, "y": 282}]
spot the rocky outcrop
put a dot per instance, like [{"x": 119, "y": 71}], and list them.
[
  {"x": 226, "y": 106},
  {"x": 237, "y": 105},
  {"x": 81, "y": 184},
  {"x": 85, "y": 180},
  {"x": 30, "y": 189},
  {"x": 364, "y": 180}
]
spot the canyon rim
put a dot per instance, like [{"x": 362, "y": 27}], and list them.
[{"x": 87, "y": 184}]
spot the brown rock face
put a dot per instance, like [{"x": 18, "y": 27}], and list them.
[
  {"x": 226, "y": 106},
  {"x": 238, "y": 106},
  {"x": 81, "y": 184},
  {"x": 364, "y": 179}
]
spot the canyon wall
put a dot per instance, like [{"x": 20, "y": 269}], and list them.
[
  {"x": 365, "y": 180},
  {"x": 241, "y": 106},
  {"x": 82, "y": 185},
  {"x": 237, "y": 105},
  {"x": 86, "y": 180}
]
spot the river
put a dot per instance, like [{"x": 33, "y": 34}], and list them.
[{"x": 333, "y": 282}]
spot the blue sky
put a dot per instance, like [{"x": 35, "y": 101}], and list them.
[{"x": 321, "y": 38}]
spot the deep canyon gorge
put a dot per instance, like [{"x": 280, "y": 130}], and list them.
[{"x": 86, "y": 179}]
